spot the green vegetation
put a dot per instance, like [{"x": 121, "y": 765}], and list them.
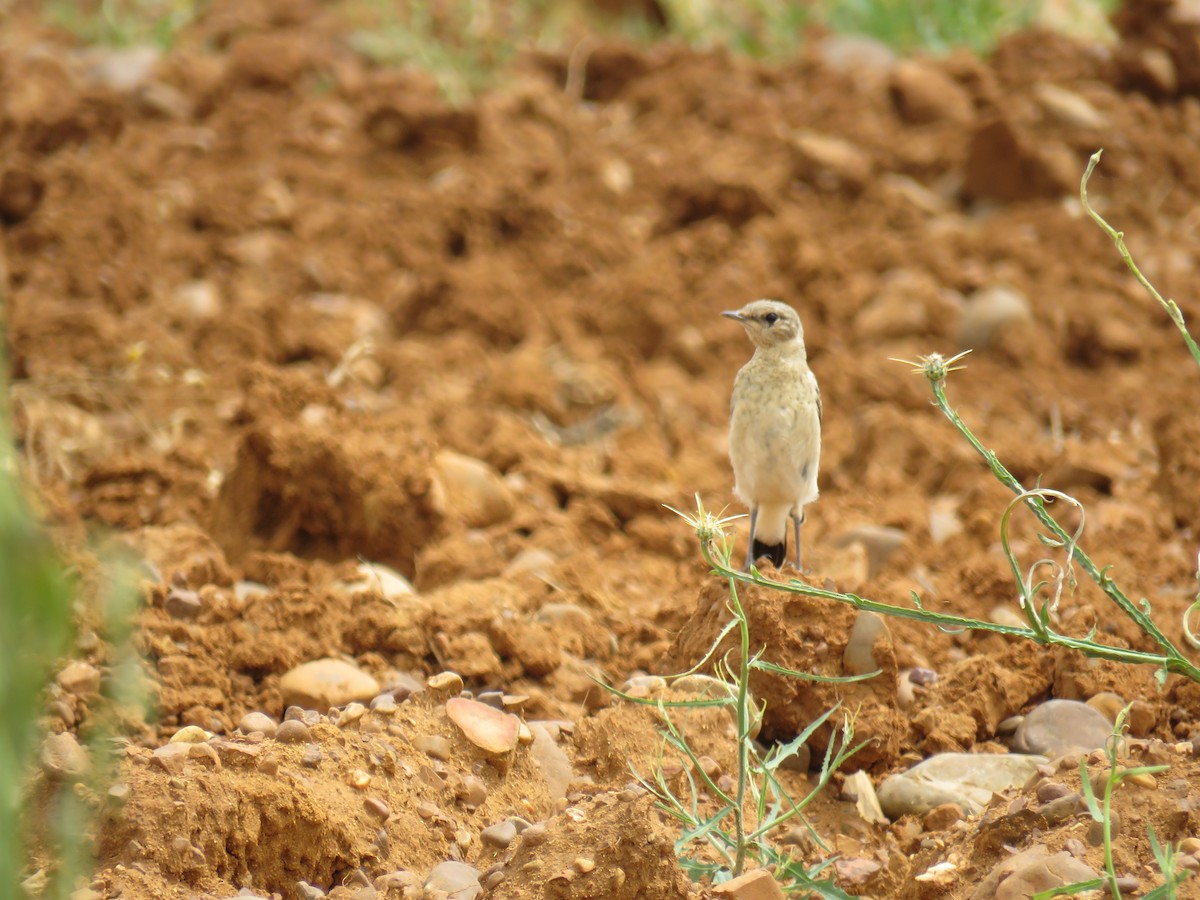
[
  {"x": 123, "y": 23},
  {"x": 1101, "y": 811},
  {"x": 721, "y": 846},
  {"x": 935, "y": 26},
  {"x": 1038, "y": 596},
  {"x": 468, "y": 46},
  {"x": 35, "y": 630}
]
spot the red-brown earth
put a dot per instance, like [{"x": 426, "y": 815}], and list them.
[{"x": 261, "y": 303}]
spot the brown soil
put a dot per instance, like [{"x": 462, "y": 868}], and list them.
[{"x": 253, "y": 301}]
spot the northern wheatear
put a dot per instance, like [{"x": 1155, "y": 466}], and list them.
[{"x": 774, "y": 428}]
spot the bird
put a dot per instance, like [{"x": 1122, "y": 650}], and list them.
[{"x": 774, "y": 428}]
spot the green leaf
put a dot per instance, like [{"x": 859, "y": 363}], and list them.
[
  {"x": 775, "y": 669},
  {"x": 1067, "y": 890},
  {"x": 1089, "y": 795}
]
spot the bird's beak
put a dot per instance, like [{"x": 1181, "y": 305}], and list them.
[{"x": 733, "y": 314}]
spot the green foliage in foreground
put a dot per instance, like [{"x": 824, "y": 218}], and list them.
[{"x": 35, "y": 629}]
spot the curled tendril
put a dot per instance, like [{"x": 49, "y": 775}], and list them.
[
  {"x": 933, "y": 366},
  {"x": 1063, "y": 573},
  {"x": 1188, "y": 634}
]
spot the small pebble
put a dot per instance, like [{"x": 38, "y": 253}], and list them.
[
  {"x": 1142, "y": 779},
  {"x": 385, "y": 704},
  {"x": 942, "y": 817},
  {"x": 450, "y": 682},
  {"x": 260, "y": 722},
  {"x": 1057, "y": 726},
  {"x": 1107, "y": 704},
  {"x": 293, "y": 731},
  {"x": 1075, "y": 847},
  {"x": 1127, "y": 884},
  {"x": 1095, "y": 832},
  {"x": 312, "y": 756},
  {"x": 309, "y": 717},
  {"x": 190, "y": 734},
  {"x": 584, "y": 865},
  {"x": 499, "y": 835},
  {"x": 183, "y": 604},
  {"x": 433, "y": 745},
  {"x": 1061, "y": 808},
  {"x": 493, "y": 879},
  {"x": 79, "y": 678},
  {"x": 350, "y": 714},
  {"x": 472, "y": 792},
  {"x": 534, "y": 835},
  {"x": 308, "y": 891},
  {"x": 489, "y": 729},
  {"x": 427, "y": 810},
  {"x": 377, "y": 808},
  {"x": 1051, "y": 790},
  {"x": 492, "y": 698},
  {"x": 63, "y": 757}
]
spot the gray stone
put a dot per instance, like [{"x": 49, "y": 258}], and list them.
[
  {"x": 499, "y": 835},
  {"x": 1057, "y": 726},
  {"x": 968, "y": 779}
]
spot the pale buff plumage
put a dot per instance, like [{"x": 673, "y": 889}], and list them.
[{"x": 774, "y": 428}]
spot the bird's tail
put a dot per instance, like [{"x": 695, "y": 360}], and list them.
[
  {"x": 777, "y": 553},
  {"x": 770, "y": 532}
]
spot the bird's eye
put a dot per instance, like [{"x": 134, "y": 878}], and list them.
[{"x": 770, "y": 318}]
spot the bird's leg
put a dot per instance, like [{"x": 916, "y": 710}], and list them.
[
  {"x": 750, "y": 546},
  {"x": 796, "y": 520}
]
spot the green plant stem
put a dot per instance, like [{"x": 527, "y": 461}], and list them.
[
  {"x": 1110, "y": 869},
  {"x": 1171, "y": 660},
  {"x": 743, "y": 744},
  {"x": 950, "y": 622},
  {"x": 1118, "y": 238}
]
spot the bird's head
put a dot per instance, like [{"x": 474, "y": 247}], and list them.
[{"x": 768, "y": 323}]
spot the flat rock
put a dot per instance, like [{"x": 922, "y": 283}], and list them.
[
  {"x": 489, "y": 729},
  {"x": 323, "y": 683},
  {"x": 1056, "y": 726},
  {"x": 968, "y": 779}
]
